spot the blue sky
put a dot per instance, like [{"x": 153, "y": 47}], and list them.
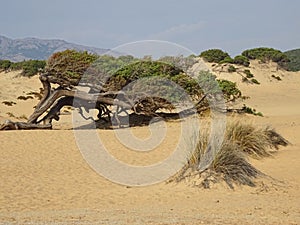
[{"x": 232, "y": 25}]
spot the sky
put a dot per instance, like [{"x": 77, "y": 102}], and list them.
[{"x": 232, "y": 25}]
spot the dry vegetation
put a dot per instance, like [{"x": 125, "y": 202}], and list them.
[{"x": 230, "y": 164}]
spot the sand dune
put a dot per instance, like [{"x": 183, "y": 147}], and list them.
[{"x": 45, "y": 180}]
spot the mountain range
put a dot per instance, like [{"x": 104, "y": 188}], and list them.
[{"x": 17, "y": 50}]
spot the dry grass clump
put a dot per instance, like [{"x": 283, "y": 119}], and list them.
[
  {"x": 256, "y": 142},
  {"x": 230, "y": 163}
]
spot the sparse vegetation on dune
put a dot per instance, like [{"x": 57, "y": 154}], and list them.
[
  {"x": 289, "y": 60},
  {"x": 267, "y": 54},
  {"x": 230, "y": 164},
  {"x": 241, "y": 140},
  {"x": 231, "y": 69},
  {"x": 248, "y": 73},
  {"x": 249, "y": 110},
  {"x": 294, "y": 57},
  {"x": 241, "y": 60},
  {"x": 28, "y": 68},
  {"x": 276, "y": 77},
  {"x": 8, "y": 103}
]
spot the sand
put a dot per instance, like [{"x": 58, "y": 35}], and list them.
[{"x": 45, "y": 180}]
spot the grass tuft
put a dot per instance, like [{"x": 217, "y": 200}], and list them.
[{"x": 230, "y": 163}]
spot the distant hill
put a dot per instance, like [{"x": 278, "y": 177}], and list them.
[
  {"x": 294, "y": 56},
  {"x": 17, "y": 50}
]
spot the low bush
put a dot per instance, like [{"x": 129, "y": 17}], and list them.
[
  {"x": 241, "y": 60},
  {"x": 248, "y": 74},
  {"x": 214, "y": 55},
  {"x": 228, "y": 59},
  {"x": 8, "y": 103},
  {"x": 29, "y": 68},
  {"x": 267, "y": 54},
  {"x": 5, "y": 65},
  {"x": 231, "y": 69},
  {"x": 254, "y": 81},
  {"x": 276, "y": 77},
  {"x": 229, "y": 89},
  {"x": 294, "y": 60},
  {"x": 248, "y": 110}
]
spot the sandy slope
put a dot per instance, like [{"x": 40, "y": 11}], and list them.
[{"x": 45, "y": 180}]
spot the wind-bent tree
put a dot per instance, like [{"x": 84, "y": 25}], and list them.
[
  {"x": 105, "y": 77},
  {"x": 88, "y": 81}
]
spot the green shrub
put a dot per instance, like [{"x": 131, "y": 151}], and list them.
[
  {"x": 5, "y": 65},
  {"x": 158, "y": 75},
  {"x": 231, "y": 69},
  {"x": 248, "y": 74},
  {"x": 228, "y": 59},
  {"x": 276, "y": 77},
  {"x": 32, "y": 67},
  {"x": 253, "y": 80},
  {"x": 248, "y": 110},
  {"x": 241, "y": 60},
  {"x": 214, "y": 55},
  {"x": 208, "y": 82},
  {"x": 29, "y": 68},
  {"x": 68, "y": 66},
  {"x": 294, "y": 60},
  {"x": 229, "y": 89},
  {"x": 267, "y": 54}
]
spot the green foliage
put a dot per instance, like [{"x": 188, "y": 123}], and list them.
[
  {"x": 241, "y": 60},
  {"x": 5, "y": 65},
  {"x": 32, "y": 67},
  {"x": 248, "y": 74},
  {"x": 253, "y": 80},
  {"x": 231, "y": 69},
  {"x": 214, "y": 55},
  {"x": 69, "y": 65},
  {"x": 208, "y": 82},
  {"x": 147, "y": 68},
  {"x": 110, "y": 65},
  {"x": 156, "y": 74},
  {"x": 248, "y": 110},
  {"x": 67, "y": 69},
  {"x": 190, "y": 85},
  {"x": 29, "y": 68},
  {"x": 294, "y": 60},
  {"x": 276, "y": 77},
  {"x": 229, "y": 89},
  {"x": 228, "y": 59},
  {"x": 267, "y": 54},
  {"x": 181, "y": 62},
  {"x": 210, "y": 85}
]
